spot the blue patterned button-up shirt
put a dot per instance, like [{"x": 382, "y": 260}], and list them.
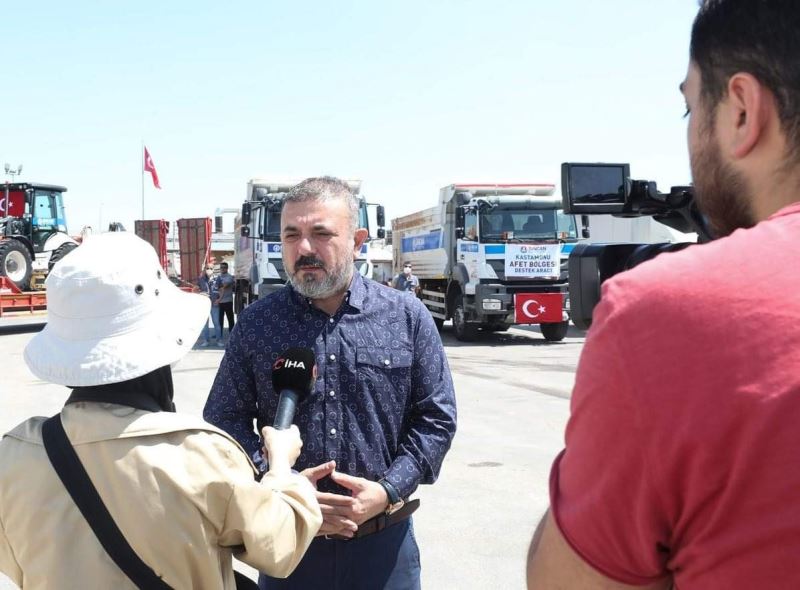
[{"x": 383, "y": 404}]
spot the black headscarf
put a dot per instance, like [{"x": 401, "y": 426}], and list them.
[{"x": 152, "y": 392}]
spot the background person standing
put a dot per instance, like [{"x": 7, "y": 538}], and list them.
[
  {"x": 406, "y": 281},
  {"x": 225, "y": 283},
  {"x": 207, "y": 283}
]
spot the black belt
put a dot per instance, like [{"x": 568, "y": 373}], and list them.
[{"x": 377, "y": 523}]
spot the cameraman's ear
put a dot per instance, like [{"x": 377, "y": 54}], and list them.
[{"x": 748, "y": 114}]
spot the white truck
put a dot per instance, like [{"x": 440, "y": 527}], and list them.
[
  {"x": 490, "y": 256},
  {"x": 258, "y": 266}
]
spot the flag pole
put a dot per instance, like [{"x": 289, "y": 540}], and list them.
[{"x": 141, "y": 174}]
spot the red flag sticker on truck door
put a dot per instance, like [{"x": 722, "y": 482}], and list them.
[{"x": 538, "y": 308}]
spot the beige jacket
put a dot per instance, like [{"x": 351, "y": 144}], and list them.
[{"x": 181, "y": 491}]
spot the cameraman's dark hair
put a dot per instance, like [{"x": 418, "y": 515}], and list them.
[{"x": 761, "y": 38}]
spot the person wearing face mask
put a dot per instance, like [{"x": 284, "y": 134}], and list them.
[
  {"x": 182, "y": 493},
  {"x": 406, "y": 281},
  {"x": 207, "y": 282},
  {"x": 382, "y": 412}
]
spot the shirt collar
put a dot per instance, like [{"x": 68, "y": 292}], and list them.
[
  {"x": 788, "y": 210},
  {"x": 358, "y": 291}
]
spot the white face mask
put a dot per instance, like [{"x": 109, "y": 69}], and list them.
[
  {"x": 209, "y": 272},
  {"x": 407, "y": 270}
]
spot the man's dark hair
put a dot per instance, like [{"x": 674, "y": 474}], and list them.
[
  {"x": 760, "y": 37},
  {"x": 325, "y": 188}
]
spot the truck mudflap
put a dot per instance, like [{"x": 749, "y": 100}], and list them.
[{"x": 539, "y": 308}]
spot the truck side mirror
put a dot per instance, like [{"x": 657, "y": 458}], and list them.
[
  {"x": 245, "y": 231},
  {"x": 381, "y": 233},
  {"x": 246, "y": 210},
  {"x": 459, "y": 222},
  {"x": 380, "y": 214}
]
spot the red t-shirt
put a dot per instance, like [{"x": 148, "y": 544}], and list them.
[{"x": 683, "y": 447}]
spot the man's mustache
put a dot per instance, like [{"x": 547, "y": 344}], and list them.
[{"x": 306, "y": 261}]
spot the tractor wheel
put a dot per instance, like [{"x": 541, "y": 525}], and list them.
[
  {"x": 59, "y": 253},
  {"x": 15, "y": 263}
]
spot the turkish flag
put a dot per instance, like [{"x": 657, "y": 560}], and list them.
[
  {"x": 538, "y": 308},
  {"x": 151, "y": 168},
  {"x": 15, "y": 207}
]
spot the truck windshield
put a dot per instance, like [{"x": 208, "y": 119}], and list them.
[
  {"x": 527, "y": 224},
  {"x": 272, "y": 224}
]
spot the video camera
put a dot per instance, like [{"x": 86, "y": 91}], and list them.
[{"x": 602, "y": 189}]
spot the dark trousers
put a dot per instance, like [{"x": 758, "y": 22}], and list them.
[
  {"x": 388, "y": 560},
  {"x": 226, "y": 309}
]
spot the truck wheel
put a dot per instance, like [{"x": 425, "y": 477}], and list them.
[
  {"x": 15, "y": 263},
  {"x": 554, "y": 332},
  {"x": 59, "y": 253},
  {"x": 464, "y": 331}
]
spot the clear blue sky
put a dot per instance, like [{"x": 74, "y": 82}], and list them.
[{"x": 407, "y": 96}]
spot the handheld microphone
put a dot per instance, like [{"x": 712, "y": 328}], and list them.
[{"x": 293, "y": 375}]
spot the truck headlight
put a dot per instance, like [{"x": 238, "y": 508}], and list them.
[{"x": 492, "y": 304}]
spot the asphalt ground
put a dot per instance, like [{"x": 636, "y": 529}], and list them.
[{"x": 476, "y": 521}]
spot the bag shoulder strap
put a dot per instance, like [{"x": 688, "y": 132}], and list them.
[{"x": 73, "y": 475}]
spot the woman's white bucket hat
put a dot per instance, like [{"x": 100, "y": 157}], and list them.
[{"x": 113, "y": 315}]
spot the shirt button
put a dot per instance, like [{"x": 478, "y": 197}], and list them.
[
  {"x": 332, "y": 393},
  {"x": 331, "y": 320},
  {"x": 332, "y": 357},
  {"x": 386, "y": 362},
  {"x": 333, "y": 432}
]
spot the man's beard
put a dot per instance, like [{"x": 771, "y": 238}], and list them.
[
  {"x": 334, "y": 280},
  {"x": 721, "y": 192}
]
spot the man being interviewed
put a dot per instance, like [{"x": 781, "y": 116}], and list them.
[{"x": 382, "y": 410}]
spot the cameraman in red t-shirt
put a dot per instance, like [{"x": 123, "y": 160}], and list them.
[{"x": 682, "y": 458}]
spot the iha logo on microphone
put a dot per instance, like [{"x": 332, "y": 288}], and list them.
[{"x": 283, "y": 363}]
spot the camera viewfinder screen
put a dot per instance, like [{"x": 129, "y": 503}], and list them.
[{"x": 597, "y": 185}]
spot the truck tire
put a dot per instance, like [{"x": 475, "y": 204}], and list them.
[
  {"x": 464, "y": 332},
  {"x": 59, "y": 253},
  {"x": 554, "y": 332},
  {"x": 15, "y": 263}
]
